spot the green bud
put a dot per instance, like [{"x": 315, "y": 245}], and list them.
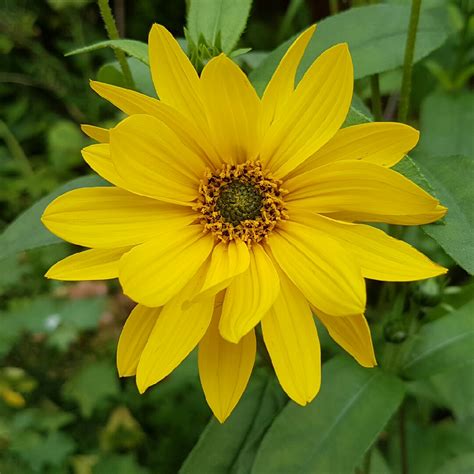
[{"x": 395, "y": 331}]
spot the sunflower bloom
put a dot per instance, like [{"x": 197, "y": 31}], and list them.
[{"x": 227, "y": 210}]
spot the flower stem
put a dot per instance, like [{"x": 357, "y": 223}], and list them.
[
  {"x": 333, "y": 7},
  {"x": 376, "y": 99},
  {"x": 408, "y": 63},
  {"x": 113, "y": 34}
]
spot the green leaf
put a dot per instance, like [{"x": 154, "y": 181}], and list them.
[
  {"x": 409, "y": 168},
  {"x": 111, "y": 73},
  {"x": 443, "y": 344},
  {"x": 358, "y": 113},
  {"x": 47, "y": 418},
  {"x": 44, "y": 314},
  {"x": 378, "y": 464},
  {"x": 333, "y": 432},
  {"x": 133, "y": 48},
  {"x": 119, "y": 464},
  {"x": 27, "y": 232},
  {"x": 447, "y": 384},
  {"x": 447, "y": 122},
  {"x": 451, "y": 178},
  {"x": 428, "y": 445},
  {"x": 231, "y": 447},
  {"x": 219, "y": 22},
  {"x": 463, "y": 464},
  {"x": 52, "y": 449},
  {"x": 91, "y": 385},
  {"x": 376, "y": 45},
  {"x": 64, "y": 143}
]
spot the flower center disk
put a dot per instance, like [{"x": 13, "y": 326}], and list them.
[{"x": 241, "y": 202}]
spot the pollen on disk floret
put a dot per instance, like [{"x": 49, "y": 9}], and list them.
[{"x": 241, "y": 202}]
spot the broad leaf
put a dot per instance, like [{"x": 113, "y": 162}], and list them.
[
  {"x": 133, "y": 48},
  {"x": 358, "y": 113},
  {"x": 376, "y": 35},
  {"x": 447, "y": 122},
  {"x": 27, "y": 232},
  {"x": 451, "y": 178},
  {"x": 219, "y": 22},
  {"x": 409, "y": 167},
  {"x": 443, "y": 344},
  {"x": 231, "y": 447},
  {"x": 111, "y": 73},
  {"x": 333, "y": 432},
  {"x": 461, "y": 402}
]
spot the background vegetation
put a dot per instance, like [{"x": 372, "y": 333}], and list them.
[{"x": 63, "y": 408}]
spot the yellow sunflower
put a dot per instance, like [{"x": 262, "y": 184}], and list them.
[{"x": 228, "y": 210}]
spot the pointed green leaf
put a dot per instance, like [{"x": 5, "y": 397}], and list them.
[
  {"x": 231, "y": 447},
  {"x": 27, "y": 232},
  {"x": 376, "y": 45},
  {"x": 452, "y": 178},
  {"x": 447, "y": 122},
  {"x": 219, "y": 22},
  {"x": 443, "y": 344},
  {"x": 333, "y": 432},
  {"x": 133, "y": 48}
]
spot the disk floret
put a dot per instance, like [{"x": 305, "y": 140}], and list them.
[{"x": 241, "y": 202}]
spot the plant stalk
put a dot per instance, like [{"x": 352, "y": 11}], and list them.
[
  {"x": 113, "y": 34},
  {"x": 333, "y": 7},
  {"x": 408, "y": 63}
]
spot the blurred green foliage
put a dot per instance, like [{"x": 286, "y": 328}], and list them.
[{"x": 63, "y": 408}]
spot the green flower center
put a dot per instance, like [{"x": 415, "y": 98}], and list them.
[{"x": 238, "y": 202}]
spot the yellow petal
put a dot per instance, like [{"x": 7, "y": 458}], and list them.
[
  {"x": 413, "y": 219},
  {"x": 224, "y": 368},
  {"x": 98, "y": 158},
  {"x": 177, "y": 331},
  {"x": 128, "y": 101},
  {"x": 249, "y": 296},
  {"x": 282, "y": 83},
  {"x": 131, "y": 103},
  {"x": 93, "y": 264},
  {"x": 154, "y": 272},
  {"x": 153, "y": 161},
  {"x": 233, "y": 110},
  {"x": 352, "y": 333},
  {"x": 227, "y": 261},
  {"x": 382, "y": 143},
  {"x": 315, "y": 112},
  {"x": 292, "y": 341},
  {"x": 98, "y": 134},
  {"x": 326, "y": 273},
  {"x": 380, "y": 256},
  {"x": 133, "y": 338},
  {"x": 176, "y": 81},
  {"x": 111, "y": 217},
  {"x": 359, "y": 189}
]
